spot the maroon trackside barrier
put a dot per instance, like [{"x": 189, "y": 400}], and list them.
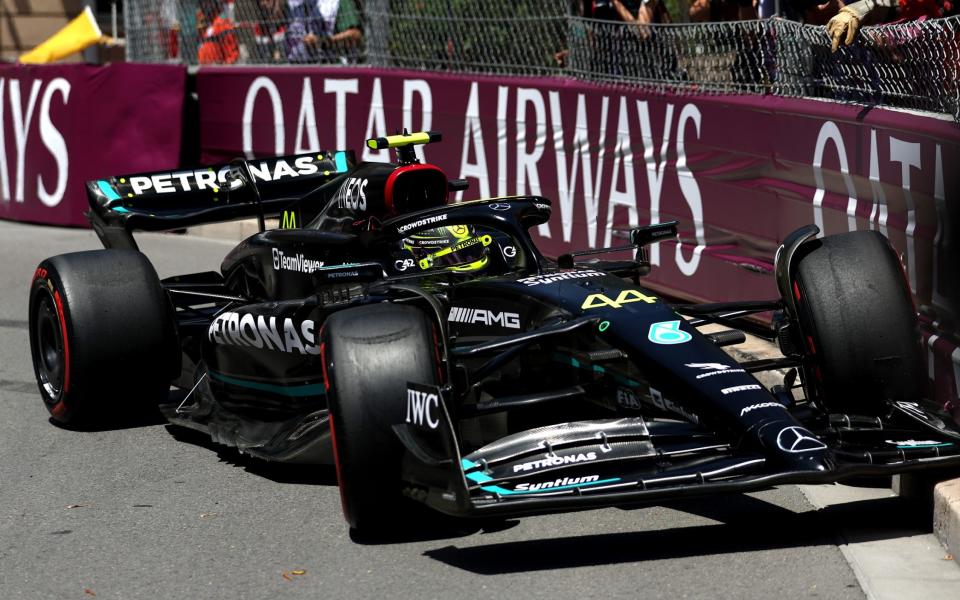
[
  {"x": 739, "y": 172},
  {"x": 61, "y": 125}
]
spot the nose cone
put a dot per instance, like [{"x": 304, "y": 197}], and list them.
[{"x": 795, "y": 446}]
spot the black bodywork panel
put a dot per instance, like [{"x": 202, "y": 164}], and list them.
[{"x": 566, "y": 384}]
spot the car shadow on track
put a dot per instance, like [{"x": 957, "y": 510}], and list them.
[
  {"x": 115, "y": 422},
  {"x": 746, "y": 524},
  {"x": 274, "y": 471}
]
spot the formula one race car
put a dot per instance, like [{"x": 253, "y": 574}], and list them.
[{"x": 431, "y": 352}]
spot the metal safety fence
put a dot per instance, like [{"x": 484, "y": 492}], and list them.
[{"x": 911, "y": 65}]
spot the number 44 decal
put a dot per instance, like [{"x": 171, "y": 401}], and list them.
[{"x": 625, "y": 297}]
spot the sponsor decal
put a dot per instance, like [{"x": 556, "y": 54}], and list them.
[
  {"x": 913, "y": 409},
  {"x": 797, "y": 439},
  {"x": 542, "y": 206},
  {"x": 509, "y": 251},
  {"x": 423, "y": 404},
  {"x": 40, "y": 273},
  {"x": 404, "y": 264},
  {"x": 289, "y": 220},
  {"x": 668, "y": 405},
  {"x": 624, "y": 297},
  {"x": 761, "y": 405},
  {"x": 421, "y": 223},
  {"x": 470, "y": 316},
  {"x": 352, "y": 194},
  {"x": 558, "y": 483},
  {"x": 208, "y": 179},
  {"x": 739, "y": 388},
  {"x": 297, "y": 262},
  {"x": 919, "y": 443},
  {"x": 499, "y": 207},
  {"x": 269, "y": 333},
  {"x": 713, "y": 369},
  {"x": 555, "y": 277},
  {"x": 627, "y": 399},
  {"x": 668, "y": 333},
  {"x": 555, "y": 461}
]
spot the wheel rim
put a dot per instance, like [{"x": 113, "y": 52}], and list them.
[{"x": 48, "y": 352}]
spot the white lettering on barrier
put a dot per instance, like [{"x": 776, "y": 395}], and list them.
[
  {"x": 340, "y": 88},
  {"x": 829, "y": 132},
  {"x": 421, "y": 88},
  {"x": 473, "y": 141},
  {"x": 262, "y": 83},
  {"x": 53, "y": 140},
  {"x": 622, "y": 155},
  {"x": 376, "y": 125},
  {"x": 21, "y": 118},
  {"x": 655, "y": 168},
  {"x": 528, "y": 176},
  {"x": 690, "y": 191},
  {"x": 307, "y": 121},
  {"x": 908, "y": 155}
]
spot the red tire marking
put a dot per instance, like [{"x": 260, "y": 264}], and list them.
[
  {"x": 336, "y": 464},
  {"x": 58, "y": 409},
  {"x": 436, "y": 354},
  {"x": 333, "y": 431},
  {"x": 796, "y": 291},
  {"x": 813, "y": 349},
  {"x": 323, "y": 365},
  {"x": 66, "y": 346}
]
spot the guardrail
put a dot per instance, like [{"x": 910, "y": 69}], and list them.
[{"x": 909, "y": 65}]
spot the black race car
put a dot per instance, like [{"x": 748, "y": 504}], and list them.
[{"x": 431, "y": 352}]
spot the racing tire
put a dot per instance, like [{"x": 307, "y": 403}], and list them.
[
  {"x": 369, "y": 355},
  {"x": 859, "y": 323},
  {"x": 102, "y": 336}
]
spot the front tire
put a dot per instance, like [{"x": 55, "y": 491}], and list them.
[
  {"x": 858, "y": 322},
  {"x": 369, "y": 354},
  {"x": 102, "y": 336}
]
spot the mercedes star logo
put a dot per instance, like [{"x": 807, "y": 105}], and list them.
[
  {"x": 797, "y": 439},
  {"x": 498, "y": 206}
]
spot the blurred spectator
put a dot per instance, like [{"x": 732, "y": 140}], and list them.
[
  {"x": 811, "y": 12},
  {"x": 843, "y": 27},
  {"x": 323, "y": 31},
  {"x": 218, "y": 39},
  {"x": 269, "y": 31},
  {"x": 722, "y": 10},
  {"x": 628, "y": 11}
]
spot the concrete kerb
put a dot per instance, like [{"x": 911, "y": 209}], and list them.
[{"x": 919, "y": 487}]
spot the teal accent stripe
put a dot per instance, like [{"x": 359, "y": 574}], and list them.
[
  {"x": 295, "y": 391},
  {"x": 496, "y": 489},
  {"x": 340, "y": 159},
  {"x": 571, "y": 360},
  {"x": 481, "y": 477},
  {"x": 941, "y": 445},
  {"x": 108, "y": 191},
  {"x": 119, "y": 209}
]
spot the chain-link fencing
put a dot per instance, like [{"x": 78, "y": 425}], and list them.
[{"x": 911, "y": 65}]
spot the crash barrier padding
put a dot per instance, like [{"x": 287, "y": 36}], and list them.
[
  {"x": 65, "y": 124},
  {"x": 738, "y": 172}
]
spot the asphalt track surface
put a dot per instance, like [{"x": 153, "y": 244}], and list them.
[{"x": 149, "y": 511}]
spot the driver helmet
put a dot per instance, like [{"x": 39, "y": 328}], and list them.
[{"x": 455, "y": 248}]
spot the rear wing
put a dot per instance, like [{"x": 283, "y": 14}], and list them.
[{"x": 165, "y": 200}]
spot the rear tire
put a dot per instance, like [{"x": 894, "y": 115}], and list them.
[
  {"x": 102, "y": 336},
  {"x": 859, "y": 323},
  {"x": 369, "y": 354}
]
